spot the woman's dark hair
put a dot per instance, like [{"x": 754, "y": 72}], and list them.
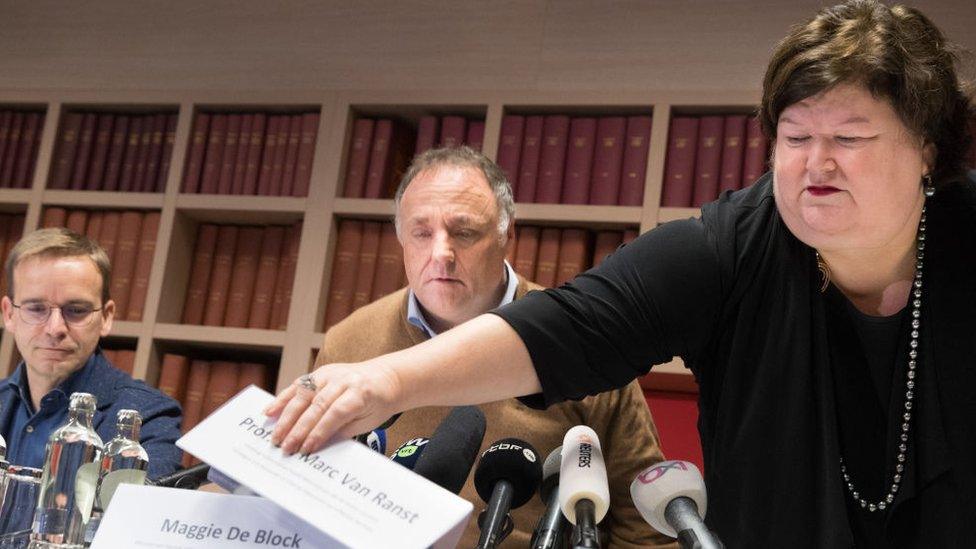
[{"x": 896, "y": 53}]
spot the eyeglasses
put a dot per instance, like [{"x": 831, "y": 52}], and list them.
[{"x": 73, "y": 315}]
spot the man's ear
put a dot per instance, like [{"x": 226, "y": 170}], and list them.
[
  {"x": 8, "y": 313},
  {"x": 108, "y": 315}
]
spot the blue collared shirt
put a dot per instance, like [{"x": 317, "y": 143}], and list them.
[{"x": 415, "y": 314}]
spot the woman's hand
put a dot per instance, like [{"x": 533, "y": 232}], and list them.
[{"x": 335, "y": 400}]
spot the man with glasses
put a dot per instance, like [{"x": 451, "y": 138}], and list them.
[{"x": 57, "y": 307}]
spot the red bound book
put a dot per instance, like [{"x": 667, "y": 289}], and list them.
[
  {"x": 145, "y": 149},
  {"x": 94, "y": 226},
  {"x": 252, "y": 373},
  {"x": 196, "y": 288},
  {"x": 573, "y": 253},
  {"x": 103, "y": 140},
  {"x": 147, "y": 183},
  {"x": 547, "y": 258},
  {"x": 526, "y": 250},
  {"x": 197, "y": 380},
  {"x": 378, "y": 173},
  {"x": 213, "y": 159},
  {"x": 67, "y": 145},
  {"x": 9, "y": 161},
  {"x": 579, "y": 161},
  {"x": 243, "y": 275},
  {"x": 228, "y": 159},
  {"x": 680, "y": 171},
  {"x": 269, "y": 153},
  {"x": 240, "y": 158},
  {"x": 278, "y": 162},
  {"x": 389, "y": 264},
  {"x": 426, "y": 134},
  {"x": 708, "y": 159},
  {"x": 510, "y": 147},
  {"x": 476, "y": 135},
  {"x": 13, "y": 235},
  {"x": 86, "y": 139},
  {"x": 281, "y": 301},
  {"x": 754, "y": 158},
  {"x": 730, "y": 177},
  {"x": 5, "y": 245},
  {"x": 76, "y": 221},
  {"x": 529, "y": 159},
  {"x": 606, "y": 243},
  {"x": 453, "y": 130},
  {"x": 197, "y": 152},
  {"x": 28, "y": 181},
  {"x": 635, "y": 161},
  {"x": 109, "y": 234},
  {"x": 366, "y": 269},
  {"x": 116, "y": 152},
  {"x": 172, "y": 376},
  {"x": 358, "y": 161},
  {"x": 221, "y": 386},
  {"x": 254, "y": 151},
  {"x": 306, "y": 153},
  {"x": 345, "y": 263},
  {"x": 5, "y": 118},
  {"x": 630, "y": 235},
  {"x": 132, "y": 142},
  {"x": 54, "y": 217},
  {"x": 220, "y": 275},
  {"x": 264, "y": 283},
  {"x": 552, "y": 159},
  {"x": 608, "y": 154},
  {"x": 125, "y": 360},
  {"x": 291, "y": 155},
  {"x": 169, "y": 140},
  {"x": 144, "y": 260},
  {"x": 124, "y": 261},
  {"x": 24, "y": 163}
]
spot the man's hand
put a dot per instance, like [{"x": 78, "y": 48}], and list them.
[{"x": 335, "y": 400}]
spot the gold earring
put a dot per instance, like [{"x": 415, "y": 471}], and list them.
[{"x": 824, "y": 271}]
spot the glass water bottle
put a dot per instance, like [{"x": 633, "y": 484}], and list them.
[{"x": 124, "y": 461}]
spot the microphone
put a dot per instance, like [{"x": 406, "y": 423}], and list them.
[
  {"x": 375, "y": 440},
  {"x": 670, "y": 496},
  {"x": 548, "y": 533},
  {"x": 448, "y": 457},
  {"x": 409, "y": 452},
  {"x": 584, "y": 493},
  {"x": 189, "y": 479},
  {"x": 506, "y": 477}
]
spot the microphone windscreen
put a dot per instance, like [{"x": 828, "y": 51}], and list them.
[
  {"x": 450, "y": 454},
  {"x": 660, "y": 484},
  {"x": 376, "y": 440},
  {"x": 583, "y": 473},
  {"x": 409, "y": 452},
  {"x": 550, "y": 474},
  {"x": 513, "y": 460}
]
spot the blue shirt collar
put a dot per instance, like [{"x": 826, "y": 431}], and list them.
[
  {"x": 415, "y": 314},
  {"x": 75, "y": 382}
]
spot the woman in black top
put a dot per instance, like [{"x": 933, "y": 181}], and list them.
[{"x": 827, "y": 311}]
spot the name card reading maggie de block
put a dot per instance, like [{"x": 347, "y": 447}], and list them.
[
  {"x": 148, "y": 516},
  {"x": 349, "y": 492}
]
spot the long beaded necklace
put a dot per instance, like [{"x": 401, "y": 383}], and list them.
[{"x": 885, "y": 501}]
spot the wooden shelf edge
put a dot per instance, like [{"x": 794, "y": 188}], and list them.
[
  {"x": 674, "y": 214},
  {"x": 125, "y": 328},
  {"x": 569, "y": 214},
  {"x": 219, "y": 336},
  {"x": 363, "y": 207},
  {"x": 240, "y": 203},
  {"x": 103, "y": 199},
  {"x": 15, "y": 196}
]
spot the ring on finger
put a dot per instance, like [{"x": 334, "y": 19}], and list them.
[{"x": 307, "y": 382}]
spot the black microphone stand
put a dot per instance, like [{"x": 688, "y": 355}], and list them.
[
  {"x": 494, "y": 521},
  {"x": 585, "y": 535}
]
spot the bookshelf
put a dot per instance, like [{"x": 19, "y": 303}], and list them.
[{"x": 181, "y": 213}]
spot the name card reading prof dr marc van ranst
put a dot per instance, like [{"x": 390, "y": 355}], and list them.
[{"x": 351, "y": 493}]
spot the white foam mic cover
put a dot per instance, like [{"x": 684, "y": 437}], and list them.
[
  {"x": 583, "y": 473},
  {"x": 660, "y": 484}
]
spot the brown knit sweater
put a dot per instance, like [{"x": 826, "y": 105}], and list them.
[{"x": 620, "y": 418}]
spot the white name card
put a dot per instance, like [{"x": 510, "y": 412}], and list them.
[
  {"x": 167, "y": 518},
  {"x": 349, "y": 492}
]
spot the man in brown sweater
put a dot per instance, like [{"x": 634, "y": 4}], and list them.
[{"x": 454, "y": 219}]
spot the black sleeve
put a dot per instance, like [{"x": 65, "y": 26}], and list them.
[{"x": 653, "y": 299}]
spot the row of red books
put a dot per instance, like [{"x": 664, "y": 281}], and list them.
[
  {"x": 123, "y": 359},
  {"x": 20, "y": 137},
  {"x": 379, "y": 154},
  {"x": 551, "y": 256},
  {"x": 128, "y": 238},
  {"x": 583, "y": 160},
  {"x": 367, "y": 265},
  {"x": 251, "y": 154},
  {"x": 201, "y": 386},
  {"x": 113, "y": 152},
  {"x": 449, "y": 131},
  {"x": 710, "y": 154},
  {"x": 242, "y": 276},
  {"x": 11, "y": 229}
]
